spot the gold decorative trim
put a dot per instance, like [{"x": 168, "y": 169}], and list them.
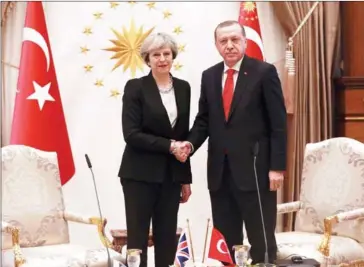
[
  {"x": 354, "y": 118},
  {"x": 324, "y": 246},
  {"x": 101, "y": 230},
  {"x": 18, "y": 257}
]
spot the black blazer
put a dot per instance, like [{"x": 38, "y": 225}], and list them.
[
  {"x": 257, "y": 115},
  {"x": 148, "y": 132}
]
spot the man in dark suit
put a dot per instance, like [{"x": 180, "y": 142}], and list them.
[{"x": 241, "y": 109}]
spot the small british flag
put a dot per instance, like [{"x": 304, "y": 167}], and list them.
[{"x": 183, "y": 253}]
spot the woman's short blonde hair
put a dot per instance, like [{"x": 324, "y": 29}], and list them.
[{"x": 158, "y": 41}]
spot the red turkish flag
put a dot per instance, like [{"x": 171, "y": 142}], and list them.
[
  {"x": 218, "y": 248},
  {"x": 38, "y": 119},
  {"x": 248, "y": 18}
]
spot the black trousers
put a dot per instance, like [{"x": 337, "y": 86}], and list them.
[
  {"x": 158, "y": 202},
  {"x": 231, "y": 207}
]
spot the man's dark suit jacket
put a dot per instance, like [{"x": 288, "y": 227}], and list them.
[
  {"x": 257, "y": 115},
  {"x": 148, "y": 133}
]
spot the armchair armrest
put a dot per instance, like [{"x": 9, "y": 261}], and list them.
[
  {"x": 330, "y": 221},
  {"x": 68, "y": 216},
  {"x": 289, "y": 207},
  {"x": 14, "y": 231}
]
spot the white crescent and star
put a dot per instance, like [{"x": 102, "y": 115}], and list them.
[
  {"x": 41, "y": 93},
  {"x": 32, "y": 35},
  {"x": 252, "y": 35},
  {"x": 219, "y": 248}
]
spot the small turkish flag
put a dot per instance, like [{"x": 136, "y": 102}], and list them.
[
  {"x": 248, "y": 18},
  {"x": 218, "y": 248},
  {"x": 38, "y": 119}
]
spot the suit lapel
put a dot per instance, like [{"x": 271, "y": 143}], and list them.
[
  {"x": 218, "y": 88},
  {"x": 241, "y": 84},
  {"x": 178, "y": 92},
  {"x": 152, "y": 91}
]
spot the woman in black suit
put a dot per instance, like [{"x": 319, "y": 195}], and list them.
[{"x": 155, "y": 117}]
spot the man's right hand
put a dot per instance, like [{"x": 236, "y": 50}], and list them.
[{"x": 182, "y": 151}]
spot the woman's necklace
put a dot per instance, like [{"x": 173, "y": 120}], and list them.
[{"x": 167, "y": 89}]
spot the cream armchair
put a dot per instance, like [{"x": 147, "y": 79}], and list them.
[
  {"x": 34, "y": 220},
  {"x": 329, "y": 224}
]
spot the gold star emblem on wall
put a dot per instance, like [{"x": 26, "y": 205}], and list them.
[
  {"x": 177, "y": 66},
  {"x": 249, "y": 6},
  {"x": 87, "y": 30},
  {"x": 114, "y": 93},
  {"x": 84, "y": 49},
  {"x": 99, "y": 83},
  {"x": 98, "y": 15},
  {"x": 88, "y": 68},
  {"x": 177, "y": 30},
  {"x": 114, "y": 5},
  {"x": 124, "y": 47},
  {"x": 181, "y": 48},
  {"x": 151, "y": 5},
  {"x": 127, "y": 47},
  {"x": 167, "y": 14}
]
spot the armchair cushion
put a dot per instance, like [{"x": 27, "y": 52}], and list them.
[
  {"x": 343, "y": 249},
  {"x": 65, "y": 255}
]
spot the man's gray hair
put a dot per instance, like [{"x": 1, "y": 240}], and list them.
[
  {"x": 229, "y": 23},
  {"x": 158, "y": 41}
]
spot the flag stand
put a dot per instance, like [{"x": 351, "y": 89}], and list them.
[
  {"x": 204, "y": 248},
  {"x": 189, "y": 233}
]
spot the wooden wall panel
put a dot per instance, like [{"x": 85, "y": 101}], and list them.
[
  {"x": 352, "y": 29},
  {"x": 349, "y": 98}
]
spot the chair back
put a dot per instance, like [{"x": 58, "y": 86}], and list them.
[
  {"x": 332, "y": 182},
  {"x": 32, "y": 196}
]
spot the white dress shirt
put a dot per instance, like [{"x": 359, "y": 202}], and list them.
[
  {"x": 169, "y": 102},
  {"x": 236, "y": 67}
]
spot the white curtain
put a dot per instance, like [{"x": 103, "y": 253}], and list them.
[{"x": 11, "y": 39}]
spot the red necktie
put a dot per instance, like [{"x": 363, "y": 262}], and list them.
[{"x": 227, "y": 95}]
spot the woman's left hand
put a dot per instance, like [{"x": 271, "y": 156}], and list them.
[{"x": 186, "y": 193}]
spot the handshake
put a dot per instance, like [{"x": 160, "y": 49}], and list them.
[{"x": 181, "y": 150}]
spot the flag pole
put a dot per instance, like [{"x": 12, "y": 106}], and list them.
[
  {"x": 189, "y": 233},
  {"x": 204, "y": 248}
]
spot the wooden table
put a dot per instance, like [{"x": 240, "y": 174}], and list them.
[{"x": 120, "y": 237}]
